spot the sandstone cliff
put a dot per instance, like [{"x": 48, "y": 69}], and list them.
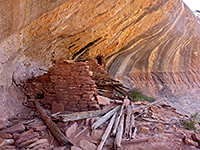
[{"x": 153, "y": 45}]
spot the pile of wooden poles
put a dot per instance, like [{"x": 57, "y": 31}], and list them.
[
  {"x": 121, "y": 125},
  {"x": 107, "y": 84},
  {"x": 119, "y": 114}
]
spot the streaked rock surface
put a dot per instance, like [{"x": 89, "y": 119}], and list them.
[
  {"x": 152, "y": 45},
  {"x": 164, "y": 62}
]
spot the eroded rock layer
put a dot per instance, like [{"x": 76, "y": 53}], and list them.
[
  {"x": 164, "y": 61},
  {"x": 156, "y": 38}
]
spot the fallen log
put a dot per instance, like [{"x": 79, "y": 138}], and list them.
[
  {"x": 107, "y": 132},
  {"x": 104, "y": 118},
  {"x": 62, "y": 139},
  {"x": 84, "y": 115}
]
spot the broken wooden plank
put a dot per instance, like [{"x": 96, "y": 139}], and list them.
[
  {"x": 135, "y": 141},
  {"x": 107, "y": 132},
  {"x": 84, "y": 115},
  {"x": 118, "y": 139},
  {"x": 124, "y": 92},
  {"x": 84, "y": 129},
  {"x": 118, "y": 117},
  {"x": 134, "y": 133},
  {"x": 132, "y": 123},
  {"x": 62, "y": 139},
  {"x": 156, "y": 121},
  {"x": 104, "y": 118},
  {"x": 128, "y": 125},
  {"x": 149, "y": 105}
]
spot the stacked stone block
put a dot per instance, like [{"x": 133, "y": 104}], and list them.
[
  {"x": 95, "y": 67},
  {"x": 67, "y": 83}
]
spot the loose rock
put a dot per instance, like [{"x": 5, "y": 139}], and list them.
[
  {"x": 190, "y": 142},
  {"x": 195, "y": 137},
  {"x": 41, "y": 146},
  {"x": 40, "y": 128},
  {"x": 60, "y": 148},
  {"x": 41, "y": 141},
  {"x": 75, "y": 148},
  {"x": 2, "y": 142},
  {"x": 86, "y": 145},
  {"x": 26, "y": 136},
  {"x": 8, "y": 148},
  {"x": 154, "y": 109},
  {"x": 57, "y": 107},
  {"x": 28, "y": 142},
  {"x": 71, "y": 129},
  {"x": 159, "y": 128},
  {"x": 103, "y": 100},
  {"x": 144, "y": 130},
  {"x": 17, "y": 128},
  {"x": 5, "y": 136},
  {"x": 97, "y": 134}
]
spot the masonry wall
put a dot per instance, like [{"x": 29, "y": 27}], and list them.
[{"x": 67, "y": 83}]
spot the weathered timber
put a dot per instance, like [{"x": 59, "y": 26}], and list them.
[
  {"x": 132, "y": 123},
  {"x": 104, "y": 118},
  {"x": 124, "y": 92},
  {"x": 85, "y": 114},
  {"x": 118, "y": 117},
  {"x": 118, "y": 139},
  {"x": 149, "y": 105},
  {"x": 107, "y": 132},
  {"x": 128, "y": 125},
  {"x": 134, "y": 133},
  {"x": 106, "y": 81},
  {"x": 135, "y": 141},
  {"x": 156, "y": 121},
  {"x": 62, "y": 139}
]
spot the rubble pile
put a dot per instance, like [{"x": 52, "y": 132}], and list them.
[
  {"x": 118, "y": 125},
  {"x": 136, "y": 125}
]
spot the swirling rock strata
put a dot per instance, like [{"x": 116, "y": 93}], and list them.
[
  {"x": 164, "y": 61},
  {"x": 156, "y": 38}
]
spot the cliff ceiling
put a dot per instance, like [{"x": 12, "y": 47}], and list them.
[{"x": 152, "y": 45}]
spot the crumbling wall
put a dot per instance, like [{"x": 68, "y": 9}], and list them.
[
  {"x": 95, "y": 67},
  {"x": 68, "y": 83}
]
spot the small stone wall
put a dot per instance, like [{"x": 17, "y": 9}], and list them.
[
  {"x": 95, "y": 67},
  {"x": 67, "y": 83}
]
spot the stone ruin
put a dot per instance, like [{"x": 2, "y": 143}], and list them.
[{"x": 68, "y": 86}]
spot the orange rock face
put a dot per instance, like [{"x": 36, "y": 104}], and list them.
[{"x": 153, "y": 45}]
